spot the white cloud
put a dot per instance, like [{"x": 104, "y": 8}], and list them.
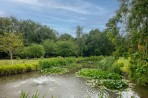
[
  {"x": 28, "y": 2},
  {"x": 79, "y": 7},
  {"x": 69, "y": 8}
]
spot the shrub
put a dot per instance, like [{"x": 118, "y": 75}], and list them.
[
  {"x": 66, "y": 48},
  {"x": 34, "y": 51},
  {"x": 116, "y": 67},
  {"x": 50, "y": 47}
]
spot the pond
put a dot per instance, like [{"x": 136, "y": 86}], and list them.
[{"x": 60, "y": 86}]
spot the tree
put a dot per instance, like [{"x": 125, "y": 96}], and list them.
[
  {"x": 65, "y": 37},
  {"x": 34, "y": 51},
  {"x": 97, "y": 43},
  {"x": 50, "y": 47},
  {"x": 80, "y": 40},
  {"x": 133, "y": 16},
  {"x": 9, "y": 42},
  {"x": 66, "y": 48}
]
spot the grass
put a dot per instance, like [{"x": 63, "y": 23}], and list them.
[
  {"x": 20, "y": 61},
  {"x": 6, "y": 70}
]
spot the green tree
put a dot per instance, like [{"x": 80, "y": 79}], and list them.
[
  {"x": 80, "y": 40},
  {"x": 65, "y": 37},
  {"x": 98, "y": 44},
  {"x": 133, "y": 16},
  {"x": 9, "y": 42},
  {"x": 66, "y": 48},
  {"x": 50, "y": 47},
  {"x": 34, "y": 51}
]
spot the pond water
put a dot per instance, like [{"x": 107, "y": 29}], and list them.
[{"x": 60, "y": 86}]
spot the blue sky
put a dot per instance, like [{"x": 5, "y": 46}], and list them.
[{"x": 62, "y": 15}]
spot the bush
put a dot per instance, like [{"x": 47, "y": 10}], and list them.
[
  {"x": 116, "y": 67},
  {"x": 66, "y": 48},
  {"x": 34, "y": 51},
  {"x": 50, "y": 47},
  {"x": 139, "y": 74}
]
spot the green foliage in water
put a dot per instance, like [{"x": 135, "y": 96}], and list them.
[
  {"x": 115, "y": 84},
  {"x": 103, "y": 78},
  {"x": 6, "y": 70},
  {"x": 98, "y": 74},
  {"x": 57, "y": 65}
]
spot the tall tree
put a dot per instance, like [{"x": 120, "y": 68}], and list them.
[
  {"x": 134, "y": 15},
  {"x": 98, "y": 44},
  {"x": 80, "y": 40}
]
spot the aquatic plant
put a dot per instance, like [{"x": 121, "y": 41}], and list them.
[{"x": 97, "y": 74}]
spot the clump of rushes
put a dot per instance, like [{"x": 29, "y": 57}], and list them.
[
  {"x": 97, "y": 74},
  {"x": 6, "y": 70},
  {"x": 56, "y": 62},
  {"x": 26, "y": 95}
]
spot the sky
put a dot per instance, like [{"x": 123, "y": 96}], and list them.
[{"x": 62, "y": 15}]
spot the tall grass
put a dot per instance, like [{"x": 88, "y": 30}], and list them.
[
  {"x": 17, "y": 69},
  {"x": 56, "y": 62}
]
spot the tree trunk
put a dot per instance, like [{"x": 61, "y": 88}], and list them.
[{"x": 11, "y": 57}]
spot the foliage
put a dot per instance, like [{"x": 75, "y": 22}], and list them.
[
  {"x": 55, "y": 62},
  {"x": 65, "y": 37},
  {"x": 50, "y": 47},
  {"x": 26, "y": 95},
  {"x": 132, "y": 36},
  {"x": 98, "y": 44},
  {"x": 6, "y": 70},
  {"x": 66, "y": 48},
  {"x": 9, "y": 42},
  {"x": 93, "y": 58},
  {"x": 34, "y": 51},
  {"x": 31, "y": 31},
  {"x": 98, "y": 74},
  {"x": 106, "y": 63},
  {"x": 115, "y": 84},
  {"x": 80, "y": 40}
]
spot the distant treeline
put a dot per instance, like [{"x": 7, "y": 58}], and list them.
[{"x": 42, "y": 41}]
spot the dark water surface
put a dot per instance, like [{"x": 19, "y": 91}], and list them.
[{"x": 60, "y": 86}]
